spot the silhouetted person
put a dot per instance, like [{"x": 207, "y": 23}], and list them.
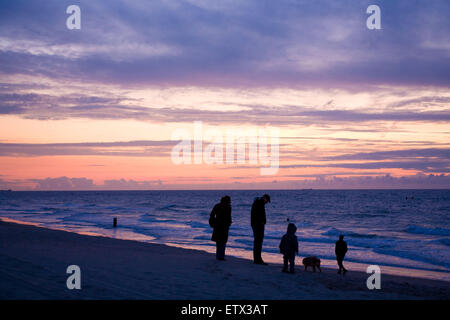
[
  {"x": 258, "y": 221},
  {"x": 341, "y": 250},
  {"x": 289, "y": 248},
  {"x": 220, "y": 220}
]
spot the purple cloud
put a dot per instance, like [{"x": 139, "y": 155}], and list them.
[
  {"x": 50, "y": 107},
  {"x": 432, "y": 153},
  {"x": 424, "y": 166},
  {"x": 229, "y": 43},
  {"x": 66, "y": 183},
  {"x": 144, "y": 148},
  {"x": 63, "y": 183},
  {"x": 419, "y": 181}
]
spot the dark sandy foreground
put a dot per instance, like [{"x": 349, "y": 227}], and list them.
[{"x": 33, "y": 263}]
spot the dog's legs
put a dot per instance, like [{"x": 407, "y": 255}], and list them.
[
  {"x": 314, "y": 268},
  {"x": 319, "y": 268}
]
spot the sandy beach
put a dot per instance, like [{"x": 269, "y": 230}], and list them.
[{"x": 33, "y": 263}]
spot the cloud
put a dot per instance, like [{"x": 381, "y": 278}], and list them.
[
  {"x": 124, "y": 148},
  {"x": 336, "y": 181},
  {"x": 424, "y": 160},
  {"x": 419, "y": 181},
  {"x": 63, "y": 183},
  {"x": 66, "y": 183},
  {"x": 360, "y": 116},
  {"x": 434, "y": 153},
  {"x": 335, "y": 174},
  {"x": 424, "y": 166},
  {"x": 123, "y": 184},
  {"x": 52, "y": 107},
  {"x": 228, "y": 43},
  {"x": 427, "y": 160},
  {"x": 382, "y": 81},
  {"x": 426, "y": 101}
]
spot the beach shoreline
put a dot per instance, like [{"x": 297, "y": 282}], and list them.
[
  {"x": 270, "y": 257},
  {"x": 34, "y": 261}
]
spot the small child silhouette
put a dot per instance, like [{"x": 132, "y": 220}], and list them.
[{"x": 289, "y": 248}]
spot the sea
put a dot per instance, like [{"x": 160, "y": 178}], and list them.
[{"x": 405, "y": 232}]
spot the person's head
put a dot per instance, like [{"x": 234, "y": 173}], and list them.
[
  {"x": 225, "y": 199},
  {"x": 291, "y": 228},
  {"x": 266, "y": 198},
  {"x": 341, "y": 237}
]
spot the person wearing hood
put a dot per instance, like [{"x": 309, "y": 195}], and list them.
[
  {"x": 220, "y": 221},
  {"x": 258, "y": 221},
  {"x": 289, "y": 248}
]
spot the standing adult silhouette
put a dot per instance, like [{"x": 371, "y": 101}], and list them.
[
  {"x": 258, "y": 222},
  {"x": 220, "y": 221}
]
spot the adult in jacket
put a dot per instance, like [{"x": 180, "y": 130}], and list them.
[
  {"x": 220, "y": 221},
  {"x": 258, "y": 222}
]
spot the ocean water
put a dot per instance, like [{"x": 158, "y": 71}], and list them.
[{"x": 406, "y": 231}]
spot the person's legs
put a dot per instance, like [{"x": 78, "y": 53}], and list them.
[
  {"x": 258, "y": 237},
  {"x": 220, "y": 250},
  {"x": 339, "y": 262},
  {"x": 285, "y": 263},
  {"x": 224, "y": 246},
  {"x": 292, "y": 264},
  {"x": 342, "y": 265},
  {"x": 217, "y": 250}
]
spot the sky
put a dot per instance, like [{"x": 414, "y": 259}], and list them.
[{"x": 101, "y": 108}]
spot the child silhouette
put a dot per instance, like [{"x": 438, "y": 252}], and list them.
[{"x": 289, "y": 248}]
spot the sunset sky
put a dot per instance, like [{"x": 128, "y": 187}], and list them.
[{"x": 96, "y": 108}]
